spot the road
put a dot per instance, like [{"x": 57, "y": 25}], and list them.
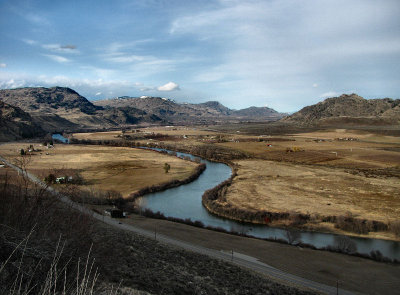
[{"x": 235, "y": 258}]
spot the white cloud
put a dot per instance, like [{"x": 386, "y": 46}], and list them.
[
  {"x": 29, "y": 41},
  {"x": 98, "y": 93},
  {"x": 36, "y": 19},
  {"x": 3, "y": 65},
  {"x": 89, "y": 87},
  {"x": 330, "y": 94},
  {"x": 280, "y": 48},
  {"x": 170, "y": 86},
  {"x": 126, "y": 58},
  {"x": 11, "y": 83},
  {"x": 61, "y": 48},
  {"x": 148, "y": 88},
  {"x": 57, "y": 58}
]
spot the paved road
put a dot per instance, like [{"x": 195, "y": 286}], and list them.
[{"x": 241, "y": 260}]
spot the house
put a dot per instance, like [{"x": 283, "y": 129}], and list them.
[
  {"x": 117, "y": 213},
  {"x": 60, "y": 179}
]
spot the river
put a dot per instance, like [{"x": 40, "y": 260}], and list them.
[
  {"x": 59, "y": 137},
  {"x": 185, "y": 202}
]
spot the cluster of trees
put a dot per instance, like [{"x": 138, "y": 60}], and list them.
[
  {"x": 28, "y": 150},
  {"x": 77, "y": 178},
  {"x": 167, "y": 167},
  {"x": 356, "y": 225}
]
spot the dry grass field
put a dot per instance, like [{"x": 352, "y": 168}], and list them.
[
  {"x": 168, "y": 130},
  {"x": 335, "y": 148},
  {"x": 124, "y": 170},
  {"x": 284, "y": 187},
  {"x": 335, "y": 172}
]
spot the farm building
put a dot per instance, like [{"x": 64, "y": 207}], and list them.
[{"x": 117, "y": 213}]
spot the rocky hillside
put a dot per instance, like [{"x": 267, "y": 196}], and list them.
[
  {"x": 170, "y": 111},
  {"x": 59, "y": 109},
  {"x": 56, "y": 100},
  {"x": 258, "y": 112},
  {"x": 213, "y": 107},
  {"x": 16, "y": 124},
  {"x": 349, "y": 110}
]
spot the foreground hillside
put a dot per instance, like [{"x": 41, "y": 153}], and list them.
[
  {"x": 35, "y": 228},
  {"x": 349, "y": 110}
]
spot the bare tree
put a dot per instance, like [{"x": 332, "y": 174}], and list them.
[
  {"x": 292, "y": 236},
  {"x": 345, "y": 244}
]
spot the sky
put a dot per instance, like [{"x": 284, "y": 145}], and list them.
[{"x": 284, "y": 54}]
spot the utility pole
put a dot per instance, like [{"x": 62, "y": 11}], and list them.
[
  {"x": 155, "y": 233},
  {"x": 337, "y": 287},
  {"x": 232, "y": 255}
]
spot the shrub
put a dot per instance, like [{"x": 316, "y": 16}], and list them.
[
  {"x": 395, "y": 228},
  {"x": 345, "y": 245}
]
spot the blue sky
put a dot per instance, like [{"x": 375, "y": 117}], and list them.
[{"x": 285, "y": 54}]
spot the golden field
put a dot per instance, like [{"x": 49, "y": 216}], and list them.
[
  {"x": 337, "y": 172},
  {"x": 124, "y": 170},
  {"x": 283, "y": 187}
]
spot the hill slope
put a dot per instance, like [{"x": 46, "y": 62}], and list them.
[
  {"x": 349, "y": 109},
  {"x": 16, "y": 124},
  {"x": 56, "y": 100},
  {"x": 60, "y": 108},
  {"x": 258, "y": 112},
  {"x": 173, "y": 112}
]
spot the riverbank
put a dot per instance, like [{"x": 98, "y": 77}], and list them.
[
  {"x": 377, "y": 250},
  {"x": 217, "y": 202},
  {"x": 353, "y": 273}
]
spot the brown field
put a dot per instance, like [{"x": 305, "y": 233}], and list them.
[
  {"x": 168, "y": 130},
  {"x": 336, "y": 172},
  {"x": 124, "y": 170},
  {"x": 368, "y": 151},
  {"x": 283, "y": 187}
]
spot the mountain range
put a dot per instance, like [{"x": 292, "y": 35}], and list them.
[
  {"x": 35, "y": 111},
  {"x": 180, "y": 113},
  {"x": 58, "y": 109}
]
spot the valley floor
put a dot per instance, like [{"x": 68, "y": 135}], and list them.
[{"x": 344, "y": 180}]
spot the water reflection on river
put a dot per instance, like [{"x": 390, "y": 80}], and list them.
[{"x": 185, "y": 202}]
